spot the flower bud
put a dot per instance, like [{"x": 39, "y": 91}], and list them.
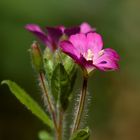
[{"x": 36, "y": 56}]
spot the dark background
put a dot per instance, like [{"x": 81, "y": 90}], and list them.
[{"x": 115, "y": 108}]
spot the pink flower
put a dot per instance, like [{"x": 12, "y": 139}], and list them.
[
  {"x": 86, "y": 50},
  {"x": 50, "y": 39},
  {"x": 53, "y": 36}
]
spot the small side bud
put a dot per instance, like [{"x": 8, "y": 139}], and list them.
[{"x": 36, "y": 56}]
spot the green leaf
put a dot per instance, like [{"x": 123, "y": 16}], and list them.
[
  {"x": 82, "y": 134},
  {"x": 60, "y": 85},
  {"x": 73, "y": 77},
  {"x": 43, "y": 135},
  {"x": 25, "y": 99},
  {"x": 68, "y": 64},
  {"x": 70, "y": 68}
]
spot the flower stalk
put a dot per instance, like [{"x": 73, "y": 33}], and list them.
[
  {"x": 50, "y": 105},
  {"x": 37, "y": 61},
  {"x": 60, "y": 124},
  {"x": 81, "y": 103}
]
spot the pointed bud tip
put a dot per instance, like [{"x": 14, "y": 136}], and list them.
[
  {"x": 35, "y": 45},
  {"x": 36, "y": 56}
]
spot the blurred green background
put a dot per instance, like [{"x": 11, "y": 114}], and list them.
[{"x": 114, "y": 113}]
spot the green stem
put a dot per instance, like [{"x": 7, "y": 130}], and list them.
[
  {"x": 81, "y": 104},
  {"x": 50, "y": 105}
]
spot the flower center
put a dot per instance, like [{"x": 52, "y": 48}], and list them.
[
  {"x": 89, "y": 55},
  {"x": 101, "y": 53}
]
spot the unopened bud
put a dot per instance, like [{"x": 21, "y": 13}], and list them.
[{"x": 36, "y": 56}]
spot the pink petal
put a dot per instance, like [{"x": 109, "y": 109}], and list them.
[
  {"x": 37, "y": 31},
  {"x": 107, "y": 65},
  {"x": 54, "y": 35},
  {"x": 106, "y": 61},
  {"x": 68, "y": 48},
  {"x": 72, "y": 31},
  {"x": 85, "y": 28},
  {"x": 33, "y": 27},
  {"x": 112, "y": 53},
  {"x": 94, "y": 42},
  {"x": 79, "y": 42}
]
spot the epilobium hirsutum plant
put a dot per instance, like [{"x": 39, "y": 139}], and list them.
[{"x": 56, "y": 70}]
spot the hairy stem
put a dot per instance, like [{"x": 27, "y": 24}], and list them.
[
  {"x": 60, "y": 123},
  {"x": 50, "y": 105},
  {"x": 81, "y": 104}
]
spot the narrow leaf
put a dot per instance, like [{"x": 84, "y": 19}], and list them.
[
  {"x": 82, "y": 134},
  {"x": 60, "y": 85},
  {"x": 25, "y": 99}
]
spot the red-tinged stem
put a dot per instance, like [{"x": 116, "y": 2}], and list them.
[
  {"x": 60, "y": 124},
  {"x": 50, "y": 105},
  {"x": 81, "y": 104}
]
